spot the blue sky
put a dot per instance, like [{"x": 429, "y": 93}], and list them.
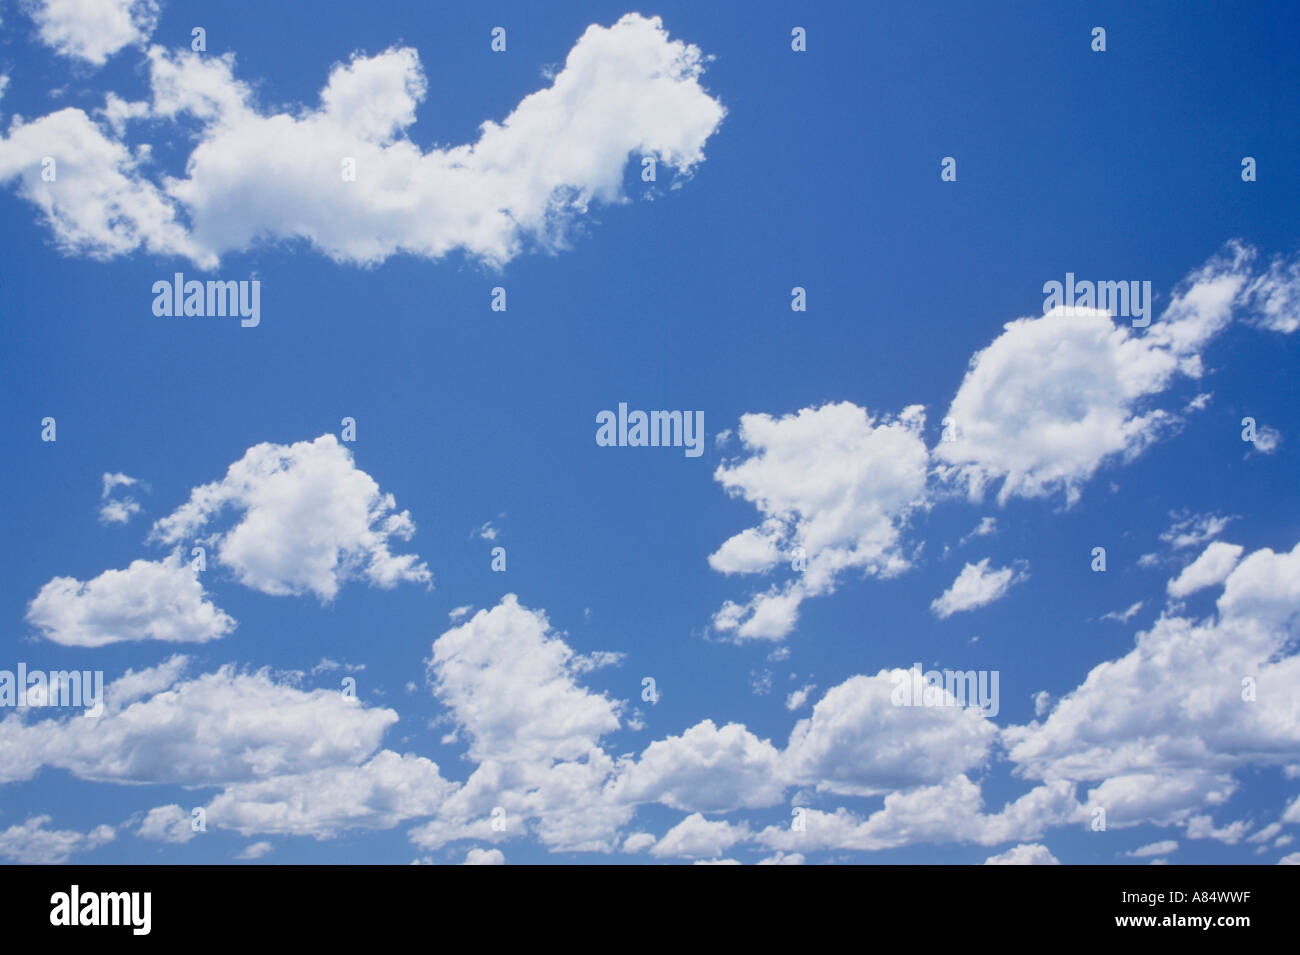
[{"x": 818, "y": 169}]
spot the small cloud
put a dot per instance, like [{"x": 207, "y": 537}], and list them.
[
  {"x": 985, "y": 528},
  {"x": 1126, "y": 615},
  {"x": 1191, "y": 530},
  {"x": 119, "y": 509},
  {"x": 585, "y": 663},
  {"x": 799, "y": 697},
  {"x": 1154, "y": 849},
  {"x": 254, "y": 851},
  {"x": 327, "y": 665},
  {"x": 1267, "y": 439},
  {"x": 976, "y": 586}
]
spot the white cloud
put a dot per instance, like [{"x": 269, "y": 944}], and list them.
[
  {"x": 698, "y": 838},
  {"x": 1179, "y": 699},
  {"x": 99, "y": 205},
  {"x": 1167, "y": 796},
  {"x": 378, "y": 794},
  {"x": 1292, "y": 812},
  {"x": 509, "y": 682},
  {"x": 1202, "y": 827},
  {"x": 985, "y": 528},
  {"x": 309, "y": 521},
  {"x": 1126, "y": 615},
  {"x": 1191, "y": 530},
  {"x": 1032, "y": 853},
  {"x": 1053, "y": 398},
  {"x": 219, "y": 728},
  {"x": 32, "y": 844},
  {"x": 1275, "y": 296},
  {"x": 253, "y": 176},
  {"x": 477, "y": 856},
  {"x": 116, "y": 480},
  {"x": 254, "y": 851},
  {"x": 1212, "y": 567},
  {"x": 797, "y": 699},
  {"x": 951, "y": 811},
  {"x": 533, "y": 731},
  {"x": 638, "y": 842},
  {"x": 1266, "y": 834},
  {"x": 833, "y": 484},
  {"x": 1162, "y": 848},
  {"x": 976, "y": 586},
  {"x": 118, "y": 510},
  {"x": 150, "y": 600},
  {"x": 93, "y": 30},
  {"x": 706, "y": 768},
  {"x": 858, "y": 742},
  {"x": 169, "y": 823},
  {"x": 1266, "y": 439}
]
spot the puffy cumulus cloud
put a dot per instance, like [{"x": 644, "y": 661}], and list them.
[
  {"x": 255, "y": 176},
  {"x": 976, "y": 586},
  {"x": 510, "y": 685},
  {"x": 477, "y": 856},
  {"x": 1032, "y": 853},
  {"x": 309, "y": 520},
  {"x": 169, "y": 823},
  {"x": 32, "y": 844},
  {"x": 1053, "y": 398},
  {"x": 706, "y": 768},
  {"x": 509, "y": 681},
  {"x": 378, "y": 794},
  {"x": 219, "y": 728},
  {"x": 1164, "y": 798},
  {"x": 859, "y": 742},
  {"x": 834, "y": 485},
  {"x": 1203, "y": 827},
  {"x": 1212, "y": 567},
  {"x": 1163, "y": 728},
  {"x": 150, "y": 600},
  {"x": 638, "y": 842},
  {"x": 951, "y": 811},
  {"x": 698, "y": 838},
  {"x": 98, "y": 204},
  {"x": 92, "y": 30}
]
